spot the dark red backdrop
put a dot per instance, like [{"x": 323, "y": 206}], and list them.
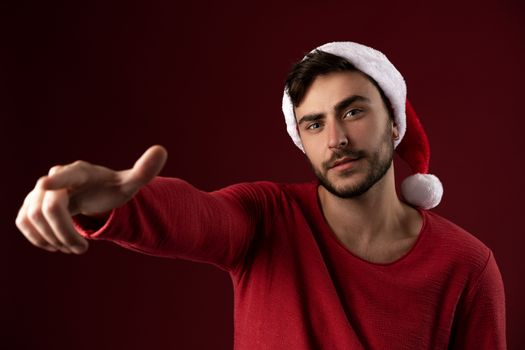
[{"x": 102, "y": 80}]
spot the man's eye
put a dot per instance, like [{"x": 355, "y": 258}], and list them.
[
  {"x": 313, "y": 126},
  {"x": 352, "y": 113}
]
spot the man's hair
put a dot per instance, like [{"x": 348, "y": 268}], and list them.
[{"x": 318, "y": 63}]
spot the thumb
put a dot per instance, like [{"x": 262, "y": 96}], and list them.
[{"x": 146, "y": 167}]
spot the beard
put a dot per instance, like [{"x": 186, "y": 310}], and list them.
[{"x": 379, "y": 162}]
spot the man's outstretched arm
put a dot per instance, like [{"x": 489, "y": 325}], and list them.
[
  {"x": 141, "y": 211},
  {"x": 171, "y": 218}
]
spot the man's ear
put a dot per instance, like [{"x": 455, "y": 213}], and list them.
[
  {"x": 395, "y": 131},
  {"x": 296, "y": 124},
  {"x": 299, "y": 133}
]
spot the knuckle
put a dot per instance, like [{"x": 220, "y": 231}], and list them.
[
  {"x": 40, "y": 181},
  {"x": 51, "y": 202},
  {"x": 50, "y": 207},
  {"x": 21, "y": 222},
  {"x": 33, "y": 238},
  {"x": 34, "y": 214},
  {"x": 54, "y": 169},
  {"x": 80, "y": 164},
  {"x": 27, "y": 199}
]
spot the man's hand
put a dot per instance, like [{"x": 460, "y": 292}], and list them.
[{"x": 81, "y": 188}]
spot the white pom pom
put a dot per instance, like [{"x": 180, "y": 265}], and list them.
[{"x": 422, "y": 190}]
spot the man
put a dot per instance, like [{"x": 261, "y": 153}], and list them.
[{"x": 341, "y": 263}]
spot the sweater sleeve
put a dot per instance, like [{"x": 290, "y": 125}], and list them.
[
  {"x": 171, "y": 218},
  {"x": 480, "y": 323}
]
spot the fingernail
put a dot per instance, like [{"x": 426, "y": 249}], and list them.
[
  {"x": 78, "y": 249},
  {"x": 63, "y": 249}
]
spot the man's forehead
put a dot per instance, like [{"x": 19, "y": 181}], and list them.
[{"x": 326, "y": 91}]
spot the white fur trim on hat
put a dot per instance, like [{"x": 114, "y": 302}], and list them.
[{"x": 376, "y": 65}]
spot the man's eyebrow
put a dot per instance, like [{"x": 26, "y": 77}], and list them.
[
  {"x": 349, "y": 100},
  {"x": 338, "y": 107},
  {"x": 310, "y": 118}
]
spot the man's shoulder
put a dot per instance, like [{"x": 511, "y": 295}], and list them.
[
  {"x": 456, "y": 242},
  {"x": 273, "y": 187},
  {"x": 271, "y": 191}
]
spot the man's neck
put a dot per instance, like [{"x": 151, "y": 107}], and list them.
[{"x": 374, "y": 217}]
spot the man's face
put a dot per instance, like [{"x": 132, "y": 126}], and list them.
[{"x": 346, "y": 132}]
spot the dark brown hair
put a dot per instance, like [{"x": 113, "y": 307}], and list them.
[{"x": 317, "y": 63}]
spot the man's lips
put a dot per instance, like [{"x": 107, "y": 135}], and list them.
[{"x": 342, "y": 161}]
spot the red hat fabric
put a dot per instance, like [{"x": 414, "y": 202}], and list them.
[{"x": 421, "y": 188}]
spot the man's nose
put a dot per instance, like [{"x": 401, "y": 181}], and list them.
[{"x": 337, "y": 137}]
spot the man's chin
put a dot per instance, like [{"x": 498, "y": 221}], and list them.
[
  {"x": 344, "y": 193},
  {"x": 344, "y": 180},
  {"x": 343, "y": 187}
]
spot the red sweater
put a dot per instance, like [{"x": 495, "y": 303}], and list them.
[{"x": 297, "y": 287}]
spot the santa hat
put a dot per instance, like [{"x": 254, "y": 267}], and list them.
[{"x": 421, "y": 188}]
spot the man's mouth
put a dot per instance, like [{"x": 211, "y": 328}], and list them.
[{"x": 342, "y": 161}]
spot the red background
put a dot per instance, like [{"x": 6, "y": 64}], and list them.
[{"x": 102, "y": 80}]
